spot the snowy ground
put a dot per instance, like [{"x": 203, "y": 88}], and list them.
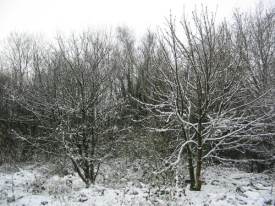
[{"x": 32, "y": 185}]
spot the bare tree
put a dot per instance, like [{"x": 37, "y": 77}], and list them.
[
  {"x": 203, "y": 100},
  {"x": 86, "y": 88},
  {"x": 254, "y": 36},
  {"x": 70, "y": 96},
  {"x": 255, "y": 43}
]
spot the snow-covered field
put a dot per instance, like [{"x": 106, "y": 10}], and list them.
[{"x": 32, "y": 185}]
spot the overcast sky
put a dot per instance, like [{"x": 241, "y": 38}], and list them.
[{"x": 48, "y": 17}]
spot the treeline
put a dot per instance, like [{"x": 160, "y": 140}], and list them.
[{"x": 196, "y": 92}]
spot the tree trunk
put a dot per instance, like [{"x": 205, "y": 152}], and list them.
[
  {"x": 190, "y": 163},
  {"x": 191, "y": 169}
]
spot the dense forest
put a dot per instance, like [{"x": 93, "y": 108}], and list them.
[{"x": 198, "y": 92}]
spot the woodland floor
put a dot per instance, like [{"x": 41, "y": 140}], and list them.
[{"x": 34, "y": 185}]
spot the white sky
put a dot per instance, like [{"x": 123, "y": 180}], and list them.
[{"x": 48, "y": 17}]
